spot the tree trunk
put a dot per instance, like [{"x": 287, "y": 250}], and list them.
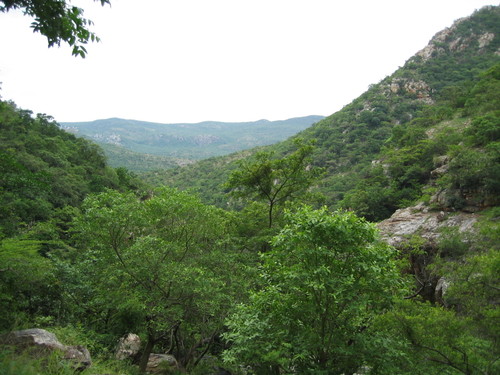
[
  {"x": 145, "y": 354},
  {"x": 270, "y": 214}
]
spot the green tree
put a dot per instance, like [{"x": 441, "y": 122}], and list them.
[
  {"x": 58, "y": 21},
  {"x": 424, "y": 339},
  {"x": 162, "y": 263},
  {"x": 275, "y": 180},
  {"x": 23, "y": 195},
  {"x": 459, "y": 333},
  {"x": 325, "y": 279},
  {"x": 27, "y": 285},
  {"x": 43, "y": 169},
  {"x": 474, "y": 171}
]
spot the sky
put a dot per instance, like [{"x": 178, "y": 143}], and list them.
[{"x": 171, "y": 61}]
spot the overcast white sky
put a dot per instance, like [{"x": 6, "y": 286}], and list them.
[{"x": 225, "y": 60}]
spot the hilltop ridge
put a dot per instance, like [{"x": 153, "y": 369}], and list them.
[{"x": 141, "y": 145}]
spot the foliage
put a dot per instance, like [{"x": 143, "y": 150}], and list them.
[
  {"x": 433, "y": 340},
  {"x": 471, "y": 269},
  {"x": 12, "y": 363},
  {"x": 458, "y": 334},
  {"x": 166, "y": 261},
  {"x": 43, "y": 168},
  {"x": 326, "y": 298},
  {"x": 474, "y": 170},
  {"x": 58, "y": 21},
  {"x": 15, "y": 364},
  {"x": 410, "y": 154},
  {"x": 27, "y": 283},
  {"x": 484, "y": 96},
  {"x": 484, "y": 129},
  {"x": 393, "y": 123},
  {"x": 120, "y": 157},
  {"x": 273, "y": 180},
  {"x": 325, "y": 279}
]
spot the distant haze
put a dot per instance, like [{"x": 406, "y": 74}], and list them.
[{"x": 188, "y": 141}]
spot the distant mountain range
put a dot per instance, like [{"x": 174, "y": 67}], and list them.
[{"x": 126, "y": 141}]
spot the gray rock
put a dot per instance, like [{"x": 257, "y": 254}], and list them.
[
  {"x": 33, "y": 337},
  {"x": 418, "y": 220},
  {"x": 128, "y": 347},
  {"x": 441, "y": 288},
  {"x": 43, "y": 343},
  {"x": 158, "y": 363}
]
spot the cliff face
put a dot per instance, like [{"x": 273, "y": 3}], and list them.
[
  {"x": 427, "y": 220},
  {"x": 450, "y": 40},
  {"x": 452, "y": 55},
  {"x": 420, "y": 221}
]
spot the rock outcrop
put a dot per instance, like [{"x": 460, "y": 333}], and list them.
[
  {"x": 420, "y": 220},
  {"x": 42, "y": 342},
  {"x": 428, "y": 226},
  {"x": 158, "y": 363},
  {"x": 128, "y": 347},
  {"x": 448, "y": 39}
]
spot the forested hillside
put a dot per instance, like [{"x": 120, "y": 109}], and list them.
[
  {"x": 44, "y": 169},
  {"x": 143, "y": 146},
  {"x": 436, "y": 85},
  {"x": 286, "y": 274}
]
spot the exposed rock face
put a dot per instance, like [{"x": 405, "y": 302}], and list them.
[
  {"x": 448, "y": 39},
  {"x": 427, "y": 225},
  {"x": 128, "y": 347},
  {"x": 436, "y": 42},
  {"x": 45, "y": 342},
  {"x": 157, "y": 363},
  {"x": 420, "y": 89},
  {"x": 419, "y": 220},
  {"x": 485, "y": 39}
]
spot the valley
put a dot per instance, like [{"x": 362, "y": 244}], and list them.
[{"x": 365, "y": 242}]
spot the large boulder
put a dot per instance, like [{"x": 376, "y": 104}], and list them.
[
  {"x": 128, "y": 347},
  {"x": 429, "y": 226},
  {"x": 441, "y": 288},
  {"x": 42, "y": 342},
  {"x": 160, "y": 363},
  {"x": 420, "y": 220}
]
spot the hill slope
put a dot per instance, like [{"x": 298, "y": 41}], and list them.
[
  {"x": 434, "y": 85},
  {"x": 183, "y": 142},
  {"x": 43, "y": 170}
]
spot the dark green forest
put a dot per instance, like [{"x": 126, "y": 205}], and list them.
[{"x": 274, "y": 260}]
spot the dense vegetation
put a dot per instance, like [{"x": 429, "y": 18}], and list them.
[
  {"x": 273, "y": 281},
  {"x": 44, "y": 170},
  {"x": 465, "y": 133},
  {"x": 120, "y": 157},
  {"x": 144, "y": 146}
]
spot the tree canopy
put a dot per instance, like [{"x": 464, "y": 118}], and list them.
[
  {"x": 86, "y": 251},
  {"x": 162, "y": 262},
  {"x": 325, "y": 279},
  {"x": 275, "y": 180},
  {"x": 58, "y": 21}
]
